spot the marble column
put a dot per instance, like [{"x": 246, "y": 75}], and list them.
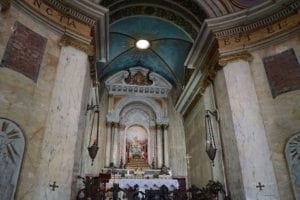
[
  {"x": 166, "y": 146},
  {"x": 159, "y": 146},
  {"x": 253, "y": 150},
  {"x": 116, "y": 146},
  {"x": 62, "y": 126}
]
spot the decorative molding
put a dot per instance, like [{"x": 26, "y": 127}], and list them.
[
  {"x": 151, "y": 83},
  {"x": 4, "y": 5},
  {"x": 286, "y": 10},
  {"x": 70, "y": 9},
  {"x": 70, "y": 41},
  {"x": 245, "y": 55},
  {"x": 253, "y": 28}
]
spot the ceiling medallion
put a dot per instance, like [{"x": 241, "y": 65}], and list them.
[{"x": 142, "y": 44}]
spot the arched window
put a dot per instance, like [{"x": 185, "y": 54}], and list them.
[
  {"x": 12, "y": 145},
  {"x": 292, "y": 152}
]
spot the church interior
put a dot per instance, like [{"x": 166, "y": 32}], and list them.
[{"x": 145, "y": 99}]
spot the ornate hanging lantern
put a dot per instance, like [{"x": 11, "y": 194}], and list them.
[
  {"x": 93, "y": 149},
  {"x": 210, "y": 145}
]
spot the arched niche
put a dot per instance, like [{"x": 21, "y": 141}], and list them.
[
  {"x": 125, "y": 102},
  {"x": 12, "y": 145},
  {"x": 135, "y": 133},
  {"x": 292, "y": 153}
]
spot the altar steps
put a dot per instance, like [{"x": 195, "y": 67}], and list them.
[{"x": 137, "y": 163}]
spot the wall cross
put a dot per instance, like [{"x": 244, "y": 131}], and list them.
[
  {"x": 53, "y": 186},
  {"x": 187, "y": 158},
  {"x": 260, "y": 186}
]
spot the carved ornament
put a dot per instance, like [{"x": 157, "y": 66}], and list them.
[
  {"x": 254, "y": 29},
  {"x": 138, "y": 81},
  {"x": 245, "y": 55},
  {"x": 70, "y": 41},
  {"x": 4, "y": 5}
]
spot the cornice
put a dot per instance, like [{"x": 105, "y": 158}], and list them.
[
  {"x": 67, "y": 40},
  {"x": 80, "y": 18},
  {"x": 83, "y": 24},
  {"x": 4, "y": 5},
  {"x": 255, "y": 28},
  {"x": 250, "y": 20},
  {"x": 81, "y": 10}
]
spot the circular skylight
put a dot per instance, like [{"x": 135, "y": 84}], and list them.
[{"x": 142, "y": 44}]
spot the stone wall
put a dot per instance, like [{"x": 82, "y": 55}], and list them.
[
  {"x": 24, "y": 101},
  {"x": 199, "y": 171},
  {"x": 281, "y": 115},
  {"x": 99, "y": 162}
]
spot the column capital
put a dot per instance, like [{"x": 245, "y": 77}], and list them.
[
  {"x": 4, "y": 5},
  {"x": 112, "y": 123},
  {"x": 67, "y": 40},
  {"x": 165, "y": 126},
  {"x": 244, "y": 55}
]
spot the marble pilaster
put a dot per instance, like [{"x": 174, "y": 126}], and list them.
[
  {"x": 62, "y": 126},
  {"x": 116, "y": 146},
  {"x": 166, "y": 146},
  {"x": 253, "y": 150},
  {"x": 112, "y": 141},
  {"x": 108, "y": 144}
]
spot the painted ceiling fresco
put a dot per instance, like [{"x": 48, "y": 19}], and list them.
[{"x": 169, "y": 46}]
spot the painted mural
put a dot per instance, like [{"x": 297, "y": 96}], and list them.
[{"x": 136, "y": 143}]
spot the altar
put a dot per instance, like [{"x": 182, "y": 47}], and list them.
[
  {"x": 144, "y": 179},
  {"x": 145, "y": 184}
]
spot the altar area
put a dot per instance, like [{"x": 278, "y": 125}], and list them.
[
  {"x": 142, "y": 178},
  {"x": 120, "y": 183}
]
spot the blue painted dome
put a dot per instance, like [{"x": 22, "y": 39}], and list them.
[{"x": 169, "y": 47}]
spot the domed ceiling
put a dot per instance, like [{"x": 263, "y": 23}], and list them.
[
  {"x": 169, "y": 46},
  {"x": 170, "y": 26}
]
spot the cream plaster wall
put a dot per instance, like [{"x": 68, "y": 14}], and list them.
[
  {"x": 99, "y": 162},
  {"x": 26, "y": 102},
  {"x": 281, "y": 115},
  {"x": 200, "y": 171}
]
